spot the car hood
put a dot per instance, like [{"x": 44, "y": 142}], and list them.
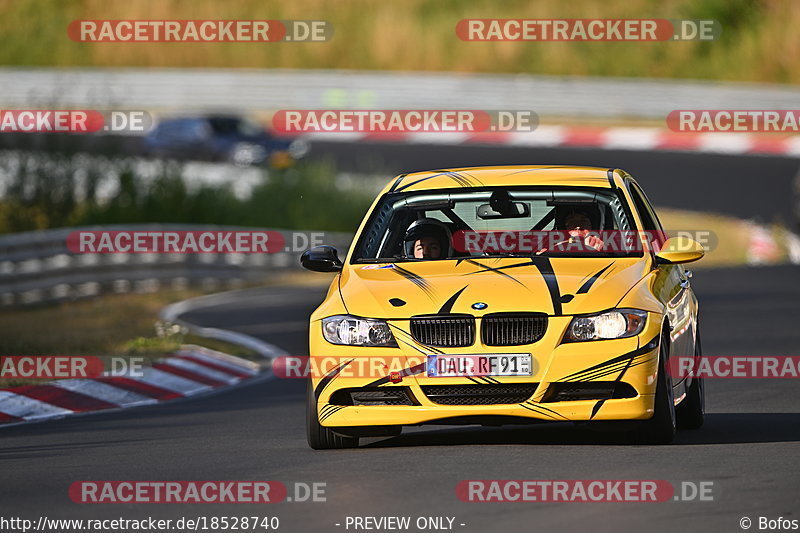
[{"x": 554, "y": 286}]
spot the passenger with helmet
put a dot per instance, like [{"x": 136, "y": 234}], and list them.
[
  {"x": 579, "y": 225},
  {"x": 427, "y": 238}
]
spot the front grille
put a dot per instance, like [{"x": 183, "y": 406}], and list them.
[
  {"x": 589, "y": 390},
  {"x": 444, "y": 331},
  {"x": 513, "y": 329},
  {"x": 479, "y": 394},
  {"x": 373, "y": 396}
]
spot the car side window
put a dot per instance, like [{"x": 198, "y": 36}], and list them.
[
  {"x": 646, "y": 212},
  {"x": 167, "y": 130},
  {"x": 194, "y": 130}
]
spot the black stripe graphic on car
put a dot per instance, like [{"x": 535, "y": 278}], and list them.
[
  {"x": 411, "y": 345},
  {"x": 589, "y": 282},
  {"x": 649, "y": 347},
  {"x": 461, "y": 180},
  {"x": 448, "y": 305},
  {"x": 504, "y": 267},
  {"x": 415, "y": 279},
  {"x": 336, "y": 409},
  {"x": 600, "y": 403},
  {"x": 415, "y": 342},
  {"x": 542, "y": 407},
  {"x": 487, "y": 268},
  {"x": 526, "y": 170},
  {"x": 546, "y": 270},
  {"x": 538, "y": 412},
  {"x": 328, "y": 377},
  {"x": 584, "y": 375},
  {"x": 455, "y": 176},
  {"x": 325, "y": 409},
  {"x": 638, "y": 360},
  {"x": 426, "y": 178},
  {"x": 473, "y": 178},
  {"x": 397, "y": 182}
]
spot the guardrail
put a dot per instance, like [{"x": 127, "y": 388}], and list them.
[
  {"x": 252, "y": 90},
  {"x": 37, "y": 267}
]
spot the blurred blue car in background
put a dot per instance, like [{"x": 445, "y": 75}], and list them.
[{"x": 230, "y": 138}]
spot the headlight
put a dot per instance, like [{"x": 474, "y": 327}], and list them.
[
  {"x": 616, "y": 324},
  {"x": 354, "y": 331}
]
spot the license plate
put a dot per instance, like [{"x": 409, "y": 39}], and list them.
[{"x": 510, "y": 364}]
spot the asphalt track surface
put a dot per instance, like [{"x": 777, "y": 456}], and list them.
[
  {"x": 748, "y": 447},
  {"x": 745, "y": 186}
]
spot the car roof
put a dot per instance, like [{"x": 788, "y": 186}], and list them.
[{"x": 547, "y": 175}]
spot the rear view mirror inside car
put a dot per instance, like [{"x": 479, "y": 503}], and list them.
[
  {"x": 502, "y": 205},
  {"x": 508, "y": 210}
]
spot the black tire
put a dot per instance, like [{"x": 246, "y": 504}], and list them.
[
  {"x": 661, "y": 428},
  {"x": 691, "y": 411},
  {"x": 319, "y": 437}
]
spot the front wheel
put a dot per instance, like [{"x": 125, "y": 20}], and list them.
[
  {"x": 661, "y": 428},
  {"x": 319, "y": 437}
]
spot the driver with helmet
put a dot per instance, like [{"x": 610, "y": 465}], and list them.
[{"x": 427, "y": 238}]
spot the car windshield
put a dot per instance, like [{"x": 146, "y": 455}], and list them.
[
  {"x": 497, "y": 222},
  {"x": 234, "y": 126}
]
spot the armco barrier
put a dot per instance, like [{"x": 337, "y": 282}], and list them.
[
  {"x": 193, "y": 90},
  {"x": 37, "y": 267}
]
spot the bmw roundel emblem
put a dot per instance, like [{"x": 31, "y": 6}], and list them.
[{"x": 480, "y": 305}]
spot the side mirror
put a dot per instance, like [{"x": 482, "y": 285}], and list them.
[
  {"x": 321, "y": 259},
  {"x": 679, "y": 250}
]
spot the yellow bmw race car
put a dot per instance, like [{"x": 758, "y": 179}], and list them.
[{"x": 505, "y": 295}]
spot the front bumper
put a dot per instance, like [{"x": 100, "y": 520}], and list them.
[{"x": 632, "y": 363}]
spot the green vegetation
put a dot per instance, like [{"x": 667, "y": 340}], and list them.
[{"x": 759, "y": 39}]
